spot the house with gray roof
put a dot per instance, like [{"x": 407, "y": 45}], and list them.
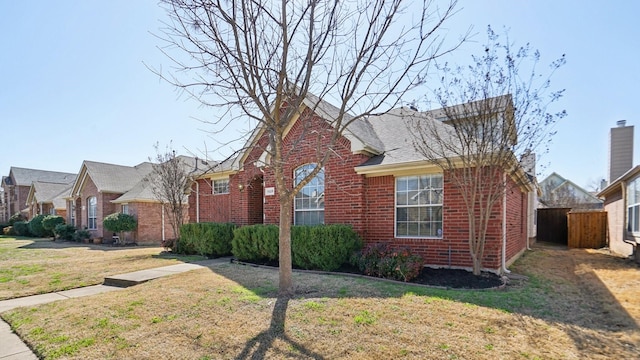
[
  {"x": 48, "y": 198},
  {"x": 102, "y": 189},
  {"x": 373, "y": 180},
  {"x": 17, "y": 184}
]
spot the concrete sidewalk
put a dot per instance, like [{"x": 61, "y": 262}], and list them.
[{"x": 13, "y": 348}]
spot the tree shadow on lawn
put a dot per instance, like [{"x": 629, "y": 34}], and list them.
[
  {"x": 48, "y": 243},
  {"x": 555, "y": 291},
  {"x": 259, "y": 345}
]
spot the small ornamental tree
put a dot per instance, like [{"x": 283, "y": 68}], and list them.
[{"x": 120, "y": 223}]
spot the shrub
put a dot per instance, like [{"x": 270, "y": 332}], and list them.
[
  {"x": 8, "y": 230},
  {"x": 50, "y": 222},
  {"x": 208, "y": 239},
  {"x": 255, "y": 243},
  {"x": 21, "y": 228},
  {"x": 383, "y": 261},
  {"x": 119, "y": 222},
  {"x": 36, "y": 228},
  {"x": 16, "y": 217},
  {"x": 81, "y": 235},
  {"x": 323, "y": 247},
  {"x": 64, "y": 231}
]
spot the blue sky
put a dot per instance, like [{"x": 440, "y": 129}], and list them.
[{"x": 75, "y": 86}]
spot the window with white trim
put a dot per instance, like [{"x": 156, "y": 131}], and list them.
[
  {"x": 221, "y": 186},
  {"x": 72, "y": 207},
  {"x": 125, "y": 209},
  {"x": 419, "y": 206},
  {"x": 308, "y": 204},
  {"x": 92, "y": 213},
  {"x": 633, "y": 206}
]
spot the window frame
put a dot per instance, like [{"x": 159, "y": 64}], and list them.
[
  {"x": 125, "y": 209},
  {"x": 311, "y": 184},
  {"x": 72, "y": 209},
  {"x": 419, "y": 191},
  {"x": 633, "y": 207},
  {"x": 95, "y": 213},
  {"x": 225, "y": 188}
]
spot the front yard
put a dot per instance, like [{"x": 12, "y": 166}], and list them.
[
  {"x": 38, "y": 266},
  {"x": 575, "y": 304}
]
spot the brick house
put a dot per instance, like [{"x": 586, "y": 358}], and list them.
[
  {"x": 374, "y": 181},
  {"x": 48, "y": 198},
  {"x": 103, "y": 189},
  {"x": 17, "y": 186}
]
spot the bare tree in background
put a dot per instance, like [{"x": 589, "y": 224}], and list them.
[
  {"x": 170, "y": 182},
  {"x": 493, "y": 111},
  {"x": 261, "y": 59}
]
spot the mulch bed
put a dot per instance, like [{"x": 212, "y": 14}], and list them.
[{"x": 441, "y": 277}]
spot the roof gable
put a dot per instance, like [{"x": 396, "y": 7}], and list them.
[{"x": 110, "y": 178}]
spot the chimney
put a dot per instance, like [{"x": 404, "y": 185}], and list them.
[{"x": 620, "y": 150}]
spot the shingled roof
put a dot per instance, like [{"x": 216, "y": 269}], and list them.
[{"x": 25, "y": 177}]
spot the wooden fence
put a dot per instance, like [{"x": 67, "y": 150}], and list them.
[
  {"x": 552, "y": 225},
  {"x": 587, "y": 229}
]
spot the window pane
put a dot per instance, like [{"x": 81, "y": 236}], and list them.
[
  {"x": 310, "y": 197},
  {"x": 636, "y": 218},
  {"x": 401, "y": 214}
]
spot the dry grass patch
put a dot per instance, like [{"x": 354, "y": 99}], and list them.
[
  {"x": 37, "y": 266},
  {"x": 232, "y": 312}
]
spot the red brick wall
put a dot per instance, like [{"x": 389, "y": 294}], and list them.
[
  {"x": 150, "y": 222},
  {"x": 213, "y": 207},
  {"x": 104, "y": 208},
  {"x": 344, "y": 189},
  {"x": 453, "y": 248}
]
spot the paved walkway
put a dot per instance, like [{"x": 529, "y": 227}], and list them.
[{"x": 12, "y": 348}]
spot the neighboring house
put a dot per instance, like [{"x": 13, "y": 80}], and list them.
[
  {"x": 375, "y": 181},
  {"x": 18, "y": 183},
  {"x": 558, "y": 192},
  {"x": 48, "y": 198},
  {"x": 622, "y": 196},
  {"x": 103, "y": 189},
  {"x": 622, "y": 203}
]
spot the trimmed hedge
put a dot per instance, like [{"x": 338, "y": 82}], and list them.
[
  {"x": 119, "y": 222},
  {"x": 50, "y": 222},
  {"x": 65, "y": 231},
  {"x": 208, "y": 239},
  {"x": 21, "y": 228},
  {"x": 256, "y": 243},
  {"x": 322, "y": 247},
  {"x": 36, "y": 228}
]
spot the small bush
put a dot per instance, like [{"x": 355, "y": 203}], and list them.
[
  {"x": 36, "y": 228},
  {"x": 50, "y": 222},
  {"x": 323, "y": 247},
  {"x": 208, "y": 239},
  {"x": 64, "y": 231},
  {"x": 8, "y": 230},
  {"x": 255, "y": 243},
  {"x": 81, "y": 235},
  {"x": 383, "y": 261},
  {"x": 16, "y": 217},
  {"x": 21, "y": 228},
  {"x": 119, "y": 222}
]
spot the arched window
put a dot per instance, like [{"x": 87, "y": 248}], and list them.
[
  {"x": 92, "y": 212},
  {"x": 308, "y": 204}
]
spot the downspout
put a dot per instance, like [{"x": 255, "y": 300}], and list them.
[
  {"x": 162, "y": 205},
  {"x": 504, "y": 269},
  {"x": 197, "y": 201}
]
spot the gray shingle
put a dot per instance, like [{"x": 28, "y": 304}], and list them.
[{"x": 25, "y": 177}]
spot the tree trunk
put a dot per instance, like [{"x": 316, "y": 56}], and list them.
[{"x": 286, "y": 280}]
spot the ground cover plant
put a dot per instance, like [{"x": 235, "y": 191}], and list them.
[
  {"x": 36, "y": 266},
  {"x": 574, "y": 304}
]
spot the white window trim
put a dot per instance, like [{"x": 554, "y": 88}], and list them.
[
  {"x": 395, "y": 208},
  {"x": 213, "y": 187},
  {"x": 635, "y": 205},
  {"x": 95, "y": 223},
  {"x": 295, "y": 211}
]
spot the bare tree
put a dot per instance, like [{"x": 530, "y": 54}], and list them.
[
  {"x": 261, "y": 60},
  {"x": 170, "y": 182},
  {"x": 501, "y": 113}
]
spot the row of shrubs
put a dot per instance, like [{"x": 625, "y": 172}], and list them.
[
  {"x": 44, "y": 226},
  {"x": 325, "y": 247}
]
